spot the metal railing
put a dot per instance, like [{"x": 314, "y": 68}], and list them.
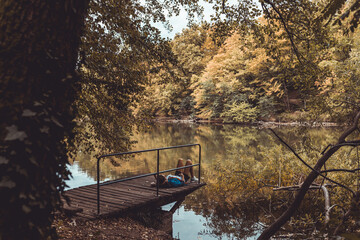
[{"x": 143, "y": 175}]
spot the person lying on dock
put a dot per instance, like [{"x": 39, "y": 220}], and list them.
[{"x": 180, "y": 178}]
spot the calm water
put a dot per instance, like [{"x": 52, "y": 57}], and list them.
[{"x": 236, "y": 160}]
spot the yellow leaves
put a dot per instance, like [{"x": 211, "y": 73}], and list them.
[
  {"x": 274, "y": 87},
  {"x": 258, "y": 63}
]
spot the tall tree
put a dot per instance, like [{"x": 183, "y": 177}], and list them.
[
  {"x": 233, "y": 84},
  {"x": 39, "y": 43}
]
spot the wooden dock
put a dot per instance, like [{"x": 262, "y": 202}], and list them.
[{"x": 121, "y": 197}]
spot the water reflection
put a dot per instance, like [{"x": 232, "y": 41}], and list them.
[{"x": 240, "y": 166}]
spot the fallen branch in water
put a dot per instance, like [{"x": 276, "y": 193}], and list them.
[{"x": 322, "y": 187}]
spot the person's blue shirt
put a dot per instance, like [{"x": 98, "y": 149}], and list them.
[{"x": 175, "y": 181}]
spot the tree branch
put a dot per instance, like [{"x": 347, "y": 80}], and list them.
[
  {"x": 307, "y": 165},
  {"x": 297, "y": 187},
  {"x": 341, "y": 170},
  {"x": 286, "y": 29},
  {"x": 351, "y": 129},
  {"x": 354, "y": 143}
]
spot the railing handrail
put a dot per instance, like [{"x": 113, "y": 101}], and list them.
[
  {"x": 144, "y": 175},
  {"x": 147, "y": 150}
]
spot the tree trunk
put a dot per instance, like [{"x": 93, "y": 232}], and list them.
[{"x": 38, "y": 47}]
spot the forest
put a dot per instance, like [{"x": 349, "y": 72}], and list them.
[
  {"x": 73, "y": 73},
  {"x": 255, "y": 75}
]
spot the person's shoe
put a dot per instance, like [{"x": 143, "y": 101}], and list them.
[
  {"x": 194, "y": 179},
  {"x": 153, "y": 184}
]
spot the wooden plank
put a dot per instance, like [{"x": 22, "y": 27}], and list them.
[
  {"x": 76, "y": 202},
  {"x": 123, "y": 189},
  {"x": 93, "y": 200},
  {"x": 117, "y": 192},
  {"x": 111, "y": 200},
  {"x": 116, "y": 203},
  {"x": 124, "y": 194},
  {"x": 132, "y": 186},
  {"x": 164, "y": 190},
  {"x": 91, "y": 209}
]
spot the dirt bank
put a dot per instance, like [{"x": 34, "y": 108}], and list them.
[{"x": 110, "y": 228}]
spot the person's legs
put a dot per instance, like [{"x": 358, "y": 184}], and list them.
[
  {"x": 189, "y": 171},
  {"x": 180, "y": 164}
]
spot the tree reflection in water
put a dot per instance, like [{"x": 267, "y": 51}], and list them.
[{"x": 240, "y": 166}]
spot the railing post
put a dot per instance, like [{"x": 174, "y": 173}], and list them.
[
  {"x": 98, "y": 186},
  {"x": 157, "y": 172},
  {"x": 199, "y": 163}
]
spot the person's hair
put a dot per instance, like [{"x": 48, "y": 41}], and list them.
[{"x": 161, "y": 179}]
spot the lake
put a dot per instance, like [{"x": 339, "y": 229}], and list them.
[{"x": 240, "y": 165}]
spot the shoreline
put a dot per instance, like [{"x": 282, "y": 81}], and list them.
[{"x": 265, "y": 124}]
